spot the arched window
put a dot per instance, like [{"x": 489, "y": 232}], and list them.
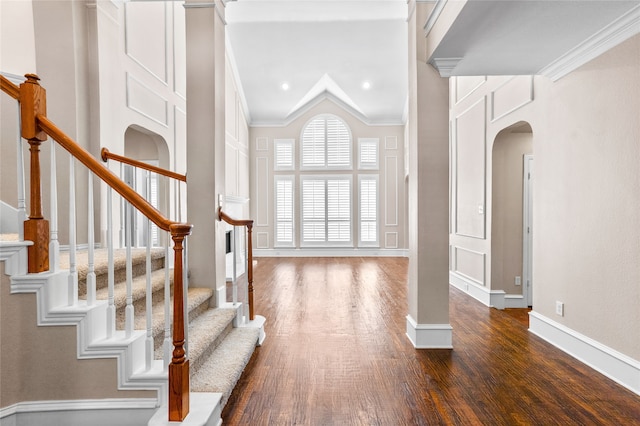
[{"x": 326, "y": 144}]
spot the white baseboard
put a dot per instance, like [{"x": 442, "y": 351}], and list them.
[
  {"x": 429, "y": 336},
  {"x": 96, "y": 412},
  {"x": 491, "y": 298},
  {"x": 204, "y": 410},
  {"x": 514, "y": 301},
  {"x": 330, "y": 252},
  {"x": 613, "y": 364}
]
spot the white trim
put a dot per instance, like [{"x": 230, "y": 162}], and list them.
[
  {"x": 429, "y": 336},
  {"x": 445, "y": 66},
  {"x": 121, "y": 411},
  {"x": 516, "y": 107},
  {"x": 331, "y": 252},
  {"x": 514, "y": 301},
  {"x": 618, "y": 367},
  {"x": 204, "y": 410},
  {"x": 618, "y": 31},
  {"x": 491, "y": 298},
  {"x": 433, "y": 16}
]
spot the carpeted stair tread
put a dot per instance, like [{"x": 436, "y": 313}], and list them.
[
  {"x": 196, "y": 297},
  {"x": 221, "y": 371},
  {"x": 9, "y": 237},
  {"x": 138, "y": 288},
  {"x": 206, "y": 332},
  {"x": 101, "y": 260}
]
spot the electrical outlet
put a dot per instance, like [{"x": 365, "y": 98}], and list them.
[
  {"x": 560, "y": 308},
  {"x": 518, "y": 281}
]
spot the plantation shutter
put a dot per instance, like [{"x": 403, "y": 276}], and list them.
[
  {"x": 368, "y": 210},
  {"x": 368, "y": 154},
  {"x": 284, "y": 210},
  {"x": 338, "y": 144},
  {"x": 313, "y": 210},
  {"x": 313, "y": 144},
  {"x": 338, "y": 210},
  {"x": 283, "y": 154}
]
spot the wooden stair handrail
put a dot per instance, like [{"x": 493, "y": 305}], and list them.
[
  {"x": 106, "y": 155},
  {"x": 35, "y": 128},
  {"x": 249, "y": 224}
]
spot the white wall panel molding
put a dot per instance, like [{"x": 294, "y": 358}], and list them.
[
  {"x": 391, "y": 142},
  {"x": 139, "y": 44},
  {"x": 179, "y": 156},
  {"x": 470, "y": 264},
  {"x": 262, "y": 191},
  {"x": 491, "y": 298},
  {"x": 511, "y": 95},
  {"x": 262, "y": 144},
  {"x": 465, "y": 86},
  {"x": 613, "y": 364},
  {"x": 429, "y": 336},
  {"x": 469, "y": 163},
  {"x": 179, "y": 59},
  {"x": 433, "y": 16},
  {"x": 129, "y": 411},
  {"x": 331, "y": 252},
  {"x": 391, "y": 191},
  {"x": 262, "y": 241},
  {"x": 143, "y": 100},
  {"x": 391, "y": 240}
]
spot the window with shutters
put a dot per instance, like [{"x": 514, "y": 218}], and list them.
[
  {"x": 283, "y": 154},
  {"x": 284, "y": 211},
  {"x": 325, "y": 211},
  {"x": 368, "y": 153},
  {"x": 325, "y": 144},
  {"x": 368, "y": 206}
]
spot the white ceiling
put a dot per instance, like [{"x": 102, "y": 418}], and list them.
[
  {"x": 322, "y": 49},
  {"x": 328, "y": 48}
]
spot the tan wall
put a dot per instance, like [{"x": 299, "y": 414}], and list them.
[
  {"x": 586, "y": 184},
  {"x": 390, "y": 181},
  {"x": 40, "y": 363},
  {"x": 506, "y": 208}
]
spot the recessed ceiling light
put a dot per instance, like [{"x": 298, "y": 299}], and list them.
[
  {"x": 366, "y": 85},
  {"x": 285, "y": 86}
]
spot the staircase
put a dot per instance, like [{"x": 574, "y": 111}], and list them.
[{"x": 218, "y": 352}]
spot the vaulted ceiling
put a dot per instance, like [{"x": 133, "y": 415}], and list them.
[{"x": 290, "y": 54}]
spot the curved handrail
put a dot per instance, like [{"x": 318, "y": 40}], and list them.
[
  {"x": 106, "y": 155},
  {"x": 249, "y": 224}
]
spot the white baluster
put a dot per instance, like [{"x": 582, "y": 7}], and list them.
[
  {"x": 54, "y": 244},
  {"x": 73, "y": 272},
  {"x": 129, "y": 311},
  {"x": 22, "y": 204},
  {"x": 234, "y": 276},
  {"x": 111, "y": 308},
  {"x": 167, "y": 344},
  {"x": 149, "y": 341},
  {"x": 91, "y": 275}
]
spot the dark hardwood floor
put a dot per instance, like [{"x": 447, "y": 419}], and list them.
[{"x": 336, "y": 354}]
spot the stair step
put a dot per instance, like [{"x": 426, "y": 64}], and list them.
[
  {"x": 138, "y": 289},
  {"x": 222, "y": 369},
  {"x": 206, "y": 332}
]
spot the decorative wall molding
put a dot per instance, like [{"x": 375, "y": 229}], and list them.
[
  {"x": 391, "y": 191},
  {"x": 391, "y": 142},
  {"x": 511, "y": 89},
  {"x": 126, "y": 412},
  {"x": 615, "y": 33},
  {"x": 445, "y": 66},
  {"x": 613, "y": 364},
  {"x": 262, "y": 242},
  {"x": 330, "y": 252},
  {"x": 429, "y": 336},
  {"x": 482, "y": 257},
  {"x": 262, "y": 144},
  {"x": 391, "y": 240},
  {"x": 262, "y": 191},
  {"x": 488, "y": 297},
  {"x": 433, "y": 16},
  {"x": 141, "y": 99},
  {"x": 457, "y": 95}
]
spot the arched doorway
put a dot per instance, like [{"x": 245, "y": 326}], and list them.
[
  {"x": 511, "y": 230},
  {"x": 145, "y": 146}
]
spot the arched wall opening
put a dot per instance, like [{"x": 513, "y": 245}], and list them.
[
  {"x": 148, "y": 147},
  {"x": 510, "y": 259}
]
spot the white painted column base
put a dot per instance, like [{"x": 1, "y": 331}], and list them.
[{"x": 429, "y": 336}]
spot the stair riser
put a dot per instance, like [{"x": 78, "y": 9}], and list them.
[{"x": 120, "y": 274}]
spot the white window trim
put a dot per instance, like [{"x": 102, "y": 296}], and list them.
[
  {"x": 292, "y": 144},
  {"x": 367, "y": 141},
  {"x": 375, "y": 243},
  {"x": 326, "y": 166},
  {"x": 326, "y": 177},
  {"x": 277, "y": 243}
]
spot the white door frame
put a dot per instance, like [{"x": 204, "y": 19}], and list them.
[{"x": 527, "y": 230}]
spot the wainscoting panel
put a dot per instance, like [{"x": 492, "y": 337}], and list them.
[
  {"x": 262, "y": 191},
  {"x": 513, "y": 94},
  {"x": 262, "y": 240},
  {"x": 145, "y": 36},
  {"x": 470, "y": 264},
  {"x": 464, "y": 86},
  {"x": 391, "y": 191},
  {"x": 391, "y": 240},
  {"x": 142, "y": 99}
]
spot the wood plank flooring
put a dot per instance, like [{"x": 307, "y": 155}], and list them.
[{"x": 336, "y": 354}]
